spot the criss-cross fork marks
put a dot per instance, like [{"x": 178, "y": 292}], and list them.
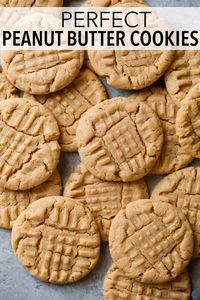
[
  {"x": 119, "y": 287},
  {"x": 58, "y": 256}
]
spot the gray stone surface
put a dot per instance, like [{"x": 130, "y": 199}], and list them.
[{"x": 16, "y": 284}]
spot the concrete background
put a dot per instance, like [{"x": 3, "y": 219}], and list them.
[{"x": 17, "y": 284}]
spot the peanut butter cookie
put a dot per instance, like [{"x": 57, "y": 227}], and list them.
[
  {"x": 103, "y": 198},
  {"x": 30, "y": 3},
  {"x": 187, "y": 122},
  {"x": 70, "y": 103},
  {"x": 182, "y": 189},
  {"x": 117, "y": 286},
  {"x": 41, "y": 72},
  {"x": 119, "y": 139},
  {"x": 183, "y": 74},
  {"x": 57, "y": 240},
  {"x": 13, "y": 203},
  {"x": 29, "y": 151},
  {"x": 172, "y": 156},
  {"x": 7, "y": 90},
  {"x": 151, "y": 242}
]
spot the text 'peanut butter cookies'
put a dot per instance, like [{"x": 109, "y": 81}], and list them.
[
  {"x": 13, "y": 203},
  {"x": 117, "y": 286},
  {"x": 56, "y": 239},
  {"x": 119, "y": 139},
  {"x": 29, "y": 151},
  {"x": 41, "y": 72},
  {"x": 7, "y": 90},
  {"x": 172, "y": 156},
  {"x": 187, "y": 122},
  {"x": 103, "y": 198},
  {"x": 151, "y": 242},
  {"x": 182, "y": 189},
  {"x": 183, "y": 74},
  {"x": 30, "y": 3},
  {"x": 69, "y": 104}
]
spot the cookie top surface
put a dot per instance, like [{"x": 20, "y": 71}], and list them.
[
  {"x": 41, "y": 72},
  {"x": 103, "y": 198},
  {"x": 187, "y": 122},
  {"x": 7, "y": 90},
  {"x": 182, "y": 75},
  {"x": 151, "y": 241},
  {"x": 182, "y": 189},
  {"x": 70, "y": 103},
  {"x": 117, "y": 286},
  {"x": 29, "y": 150},
  {"x": 172, "y": 156},
  {"x": 119, "y": 139},
  {"x": 56, "y": 239},
  {"x": 30, "y": 3},
  {"x": 130, "y": 69},
  {"x": 13, "y": 203},
  {"x": 107, "y": 3}
]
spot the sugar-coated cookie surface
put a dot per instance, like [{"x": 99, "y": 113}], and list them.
[
  {"x": 69, "y": 104},
  {"x": 187, "y": 122},
  {"x": 57, "y": 240},
  {"x": 183, "y": 74},
  {"x": 29, "y": 150},
  {"x": 182, "y": 189},
  {"x": 13, "y": 203},
  {"x": 41, "y": 72},
  {"x": 117, "y": 286},
  {"x": 103, "y": 198},
  {"x": 172, "y": 157},
  {"x": 151, "y": 241},
  {"x": 119, "y": 139},
  {"x": 30, "y": 3}
]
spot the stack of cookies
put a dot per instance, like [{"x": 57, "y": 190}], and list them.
[{"x": 57, "y": 233}]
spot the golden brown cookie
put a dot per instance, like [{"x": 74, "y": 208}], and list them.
[
  {"x": 119, "y": 139},
  {"x": 7, "y": 90},
  {"x": 13, "y": 203},
  {"x": 29, "y": 151},
  {"x": 103, "y": 198},
  {"x": 133, "y": 69},
  {"x": 56, "y": 239},
  {"x": 29, "y": 3},
  {"x": 182, "y": 189},
  {"x": 172, "y": 157},
  {"x": 183, "y": 74},
  {"x": 70, "y": 103},
  {"x": 151, "y": 242},
  {"x": 187, "y": 122},
  {"x": 117, "y": 286},
  {"x": 41, "y": 72}
]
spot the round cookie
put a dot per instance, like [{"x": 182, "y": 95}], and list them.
[
  {"x": 119, "y": 139},
  {"x": 182, "y": 190},
  {"x": 41, "y": 72},
  {"x": 13, "y": 203},
  {"x": 103, "y": 198},
  {"x": 132, "y": 69},
  {"x": 7, "y": 90},
  {"x": 117, "y": 286},
  {"x": 69, "y": 104},
  {"x": 151, "y": 242},
  {"x": 29, "y": 151},
  {"x": 57, "y": 240},
  {"x": 30, "y": 3},
  {"x": 187, "y": 122},
  {"x": 182, "y": 75},
  {"x": 172, "y": 157}
]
